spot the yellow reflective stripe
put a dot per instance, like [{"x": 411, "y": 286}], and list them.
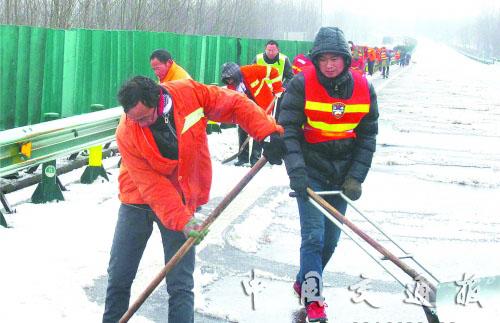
[
  {"x": 341, "y": 127},
  {"x": 260, "y": 88},
  {"x": 327, "y": 107},
  {"x": 192, "y": 119},
  {"x": 254, "y": 83},
  {"x": 268, "y": 71},
  {"x": 274, "y": 80}
]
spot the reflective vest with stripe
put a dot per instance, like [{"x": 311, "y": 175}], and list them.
[
  {"x": 331, "y": 118},
  {"x": 279, "y": 65},
  {"x": 300, "y": 62},
  {"x": 383, "y": 55}
]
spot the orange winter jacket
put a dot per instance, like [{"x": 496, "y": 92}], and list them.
[
  {"x": 175, "y": 73},
  {"x": 175, "y": 188}
]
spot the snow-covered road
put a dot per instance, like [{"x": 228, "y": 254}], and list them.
[{"x": 434, "y": 187}]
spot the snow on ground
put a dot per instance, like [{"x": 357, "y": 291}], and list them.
[{"x": 433, "y": 187}]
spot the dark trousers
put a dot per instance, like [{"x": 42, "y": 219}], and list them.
[
  {"x": 385, "y": 71},
  {"x": 370, "y": 67},
  {"x": 256, "y": 148},
  {"x": 133, "y": 229},
  {"x": 319, "y": 236}
]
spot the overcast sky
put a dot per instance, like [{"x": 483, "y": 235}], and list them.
[
  {"x": 367, "y": 21},
  {"x": 418, "y": 9}
]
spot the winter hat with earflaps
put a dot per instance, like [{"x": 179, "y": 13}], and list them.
[
  {"x": 232, "y": 71},
  {"x": 331, "y": 40}
]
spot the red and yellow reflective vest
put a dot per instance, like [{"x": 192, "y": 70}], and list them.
[
  {"x": 331, "y": 118},
  {"x": 383, "y": 54},
  {"x": 300, "y": 62},
  {"x": 255, "y": 78}
]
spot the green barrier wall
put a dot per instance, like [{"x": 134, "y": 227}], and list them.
[{"x": 65, "y": 71}]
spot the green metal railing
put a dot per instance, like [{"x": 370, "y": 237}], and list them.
[{"x": 32, "y": 145}]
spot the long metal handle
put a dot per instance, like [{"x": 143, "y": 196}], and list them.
[
  {"x": 377, "y": 246},
  {"x": 378, "y": 228},
  {"x": 190, "y": 242}
]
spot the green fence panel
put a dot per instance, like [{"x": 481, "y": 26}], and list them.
[
  {"x": 21, "y": 82},
  {"x": 8, "y": 65},
  {"x": 53, "y": 72},
  {"x": 36, "y": 75},
  {"x": 65, "y": 71}
]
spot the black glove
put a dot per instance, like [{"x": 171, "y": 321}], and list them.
[
  {"x": 352, "y": 188},
  {"x": 275, "y": 149},
  {"x": 299, "y": 182}
]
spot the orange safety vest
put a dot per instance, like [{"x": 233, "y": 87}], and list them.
[
  {"x": 383, "y": 54},
  {"x": 331, "y": 118},
  {"x": 255, "y": 78}
]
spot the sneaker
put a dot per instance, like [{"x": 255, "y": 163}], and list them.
[
  {"x": 316, "y": 313},
  {"x": 297, "y": 289}
]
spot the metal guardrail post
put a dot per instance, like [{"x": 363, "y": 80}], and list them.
[
  {"x": 7, "y": 208},
  {"x": 3, "y": 222},
  {"x": 48, "y": 188},
  {"x": 94, "y": 168}
]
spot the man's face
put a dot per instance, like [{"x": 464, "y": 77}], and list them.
[
  {"x": 160, "y": 69},
  {"x": 331, "y": 65},
  {"x": 272, "y": 51},
  {"x": 228, "y": 81},
  {"x": 143, "y": 115}
]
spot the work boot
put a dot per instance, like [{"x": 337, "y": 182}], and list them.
[
  {"x": 240, "y": 163},
  {"x": 316, "y": 313},
  {"x": 297, "y": 289}
]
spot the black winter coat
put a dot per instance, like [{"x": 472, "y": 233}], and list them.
[{"x": 329, "y": 162}]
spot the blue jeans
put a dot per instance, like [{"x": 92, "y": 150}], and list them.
[
  {"x": 319, "y": 235},
  {"x": 133, "y": 229}
]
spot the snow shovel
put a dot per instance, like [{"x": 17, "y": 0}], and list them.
[
  {"x": 247, "y": 140},
  {"x": 433, "y": 299},
  {"x": 191, "y": 241}
]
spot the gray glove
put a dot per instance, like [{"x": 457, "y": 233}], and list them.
[{"x": 351, "y": 188}]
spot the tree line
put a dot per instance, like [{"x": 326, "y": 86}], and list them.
[
  {"x": 249, "y": 18},
  {"x": 265, "y": 19}
]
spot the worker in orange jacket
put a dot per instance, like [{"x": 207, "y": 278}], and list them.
[
  {"x": 253, "y": 81},
  {"x": 165, "y": 68},
  {"x": 166, "y": 174}
]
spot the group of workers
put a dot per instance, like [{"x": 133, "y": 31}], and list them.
[{"x": 320, "y": 117}]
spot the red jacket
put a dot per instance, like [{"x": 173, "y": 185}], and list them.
[{"x": 175, "y": 188}]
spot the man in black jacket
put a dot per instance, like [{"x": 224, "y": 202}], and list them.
[{"x": 330, "y": 115}]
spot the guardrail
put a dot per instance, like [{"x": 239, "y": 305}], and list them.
[
  {"x": 28, "y": 146},
  {"x": 43, "y": 143}
]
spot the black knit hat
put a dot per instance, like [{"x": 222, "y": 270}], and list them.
[
  {"x": 232, "y": 71},
  {"x": 331, "y": 40}
]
